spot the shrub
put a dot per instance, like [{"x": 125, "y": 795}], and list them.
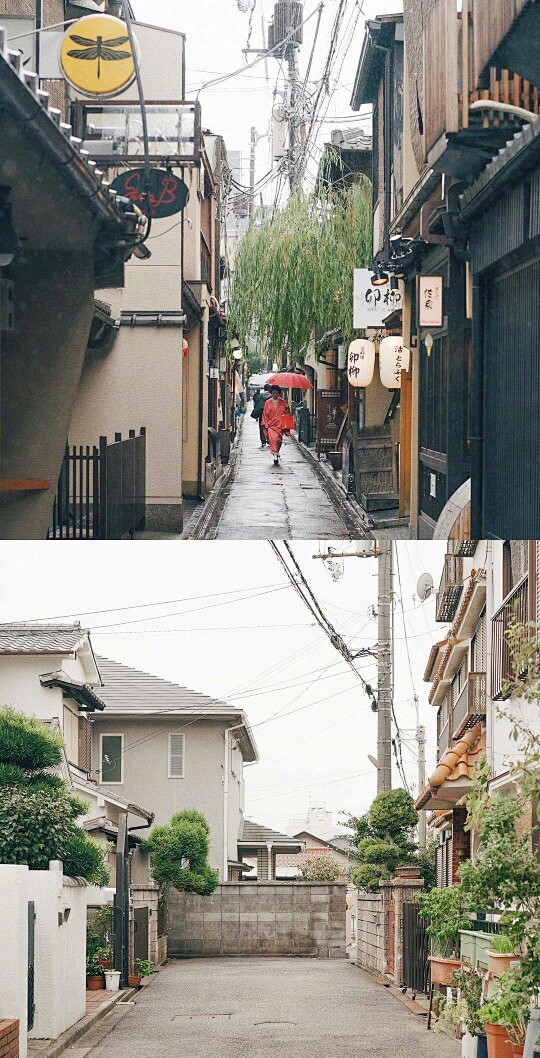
[
  {"x": 27, "y": 742},
  {"x": 323, "y": 868},
  {"x": 179, "y": 854}
]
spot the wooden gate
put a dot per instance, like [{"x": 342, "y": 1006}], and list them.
[
  {"x": 140, "y": 946},
  {"x": 391, "y": 936}
]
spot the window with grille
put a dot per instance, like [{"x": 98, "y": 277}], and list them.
[
  {"x": 479, "y": 652},
  {"x": 85, "y": 744},
  {"x": 112, "y": 758},
  {"x": 177, "y": 754}
]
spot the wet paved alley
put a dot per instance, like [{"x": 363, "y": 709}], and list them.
[
  {"x": 283, "y": 503},
  {"x": 268, "y": 1008}
]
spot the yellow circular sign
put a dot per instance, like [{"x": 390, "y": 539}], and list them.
[{"x": 95, "y": 56}]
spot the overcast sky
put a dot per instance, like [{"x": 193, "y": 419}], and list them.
[
  {"x": 237, "y": 631},
  {"x": 217, "y": 31}
]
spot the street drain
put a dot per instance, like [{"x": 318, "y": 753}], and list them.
[
  {"x": 208, "y": 1017},
  {"x": 276, "y": 1023}
]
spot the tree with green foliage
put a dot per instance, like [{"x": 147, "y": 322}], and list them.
[
  {"x": 179, "y": 854},
  {"x": 322, "y": 868},
  {"x": 293, "y": 274},
  {"x": 38, "y": 813},
  {"x": 384, "y": 839}
]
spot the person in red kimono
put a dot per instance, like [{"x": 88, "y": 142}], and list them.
[{"x": 273, "y": 412}]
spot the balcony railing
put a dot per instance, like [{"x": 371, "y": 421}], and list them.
[
  {"x": 450, "y": 588},
  {"x": 515, "y": 609},
  {"x": 470, "y": 707},
  {"x": 457, "y": 50}
]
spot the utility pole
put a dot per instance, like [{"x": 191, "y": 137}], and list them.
[
  {"x": 252, "y": 146},
  {"x": 384, "y": 696},
  {"x": 421, "y": 742},
  {"x": 292, "y": 117}
]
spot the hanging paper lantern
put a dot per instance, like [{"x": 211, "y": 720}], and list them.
[
  {"x": 393, "y": 359},
  {"x": 361, "y": 362}
]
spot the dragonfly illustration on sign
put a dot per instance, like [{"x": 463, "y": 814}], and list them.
[{"x": 99, "y": 49}]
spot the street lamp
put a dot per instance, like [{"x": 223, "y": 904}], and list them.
[{"x": 9, "y": 240}]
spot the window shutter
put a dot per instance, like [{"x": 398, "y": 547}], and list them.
[
  {"x": 538, "y": 580},
  {"x": 176, "y": 756}
]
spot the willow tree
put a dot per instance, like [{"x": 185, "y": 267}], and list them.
[{"x": 294, "y": 274}]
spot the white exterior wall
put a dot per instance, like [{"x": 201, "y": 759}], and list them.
[
  {"x": 14, "y": 946},
  {"x": 21, "y": 689},
  {"x": 146, "y": 780},
  {"x": 60, "y": 952}
]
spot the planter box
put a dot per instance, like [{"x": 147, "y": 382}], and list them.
[
  {"x": 442, "y": 969},
  {"x": 474, "y": 946},
  {"x": 499, "y": 962}
]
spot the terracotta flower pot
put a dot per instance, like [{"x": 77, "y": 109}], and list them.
[
  {"x": 442, "y": 969},
  {"x": 517, "y": 1050},
  {"x": 500, "y": 962},
  {"x": 94, "y": 982},
  {"x": 134, "y": 980},
  {"x": 499, "y": 1046}
]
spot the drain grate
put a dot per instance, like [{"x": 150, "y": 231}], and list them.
[{"x": 198, "y": 1017}]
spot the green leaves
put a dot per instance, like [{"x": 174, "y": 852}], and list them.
[
  {"x": 27, "y": 742},
  {"x": 293, "y": 276},
  {"x": 179, "y": 852}
]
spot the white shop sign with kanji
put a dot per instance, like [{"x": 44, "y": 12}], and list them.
[
  {"x": 372, "y": 304},
  {"x": 430, "y": 301}
]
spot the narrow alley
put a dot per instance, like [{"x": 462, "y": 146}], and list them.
[
  {"x": 286, "y": 502},
  {"x": 257, "y": 1007}
]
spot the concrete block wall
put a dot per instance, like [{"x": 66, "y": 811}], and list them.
[
  {"x": 9, "y": 1039},
  {"x": 265, "y": 918},
  {"x": 370, "y": 932}
]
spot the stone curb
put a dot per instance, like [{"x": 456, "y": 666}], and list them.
[
  {"x": 199, "y": 529},
  {"x": 80, "y": 1028},
  {"x": 358, "y": 524}
]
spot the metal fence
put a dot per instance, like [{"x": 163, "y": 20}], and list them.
[
  {"x": 101, "y": 492},
  {"x": 416, "y": 973}
]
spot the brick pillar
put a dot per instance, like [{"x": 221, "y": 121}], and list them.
[
  {"x": 405, "y": 885},
  {"x": 461, "y": 841},
  {"x": 9, "y": 1039}
]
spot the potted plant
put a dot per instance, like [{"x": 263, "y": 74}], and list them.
[
  {"x": 112, "y": 980},
  {"x": 502, "y": 955},
  {"x": 94, "y": 974},
  {"x": 143, "y": 968},
  {"x": 460, "y": 1008},
  {"x": 104, "y": 956},
  {"x": 445, "y": 912},
  {"x": 506, "y": 1014}
]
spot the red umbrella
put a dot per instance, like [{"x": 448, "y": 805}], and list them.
[{"x": 289, "y": 380}]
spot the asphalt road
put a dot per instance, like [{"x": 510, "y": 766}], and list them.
[{"x": 269, "y": 1008}]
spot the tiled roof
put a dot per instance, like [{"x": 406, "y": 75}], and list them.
[
  {"x": 257, "y": 834},
  {"x": 455, "y": 765},
  {"x": 127, "y": 690},
  {"x": 40, "y": 638}
]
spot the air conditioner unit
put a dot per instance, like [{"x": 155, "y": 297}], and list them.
[{"x": 87, "y": 5}]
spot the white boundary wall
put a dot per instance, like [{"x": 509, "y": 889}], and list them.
[{"x": 59, "y": 953}]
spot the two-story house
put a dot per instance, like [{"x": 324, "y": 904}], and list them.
[
  {"x": 174, "y": 748},
  {"x": 484, "y": 587}
]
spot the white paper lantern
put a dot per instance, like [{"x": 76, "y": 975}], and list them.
[
  {"x": 393, "y": 359},
  {"x": 361, "y": 362}
]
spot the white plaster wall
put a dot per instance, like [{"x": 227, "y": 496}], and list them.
[
  {"x": 60, "y": 952},
  {"x": 14, "y": 946},
  {"x": 21, "y": 689}
]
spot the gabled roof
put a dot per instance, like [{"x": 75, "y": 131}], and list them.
[
  {"x": 130, "y": 692},
  {"x": 26, "y": 638},
  {"x": 379, "y": 33},
  {"x": 127, "y": 690},
  {"x": 255, "y": 834}
]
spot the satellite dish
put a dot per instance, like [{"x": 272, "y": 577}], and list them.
[{"x": 424, "y": 587}]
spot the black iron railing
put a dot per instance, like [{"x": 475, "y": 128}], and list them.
[
  {"x": 515, "y": 609},
  {"x": 101, "y": 492},
  {"x": 416, "y": 973}
]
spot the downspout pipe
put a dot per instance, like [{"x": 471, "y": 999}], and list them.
[
  {"x": 387, "y": 148},
  {"x": 201, "y": 410},
  {"x": 477, "y": 410}
]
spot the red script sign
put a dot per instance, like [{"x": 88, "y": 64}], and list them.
[{"x": 168, "y": 194}]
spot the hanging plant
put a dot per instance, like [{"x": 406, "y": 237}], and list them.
[{"x": 294, "y": 274}]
